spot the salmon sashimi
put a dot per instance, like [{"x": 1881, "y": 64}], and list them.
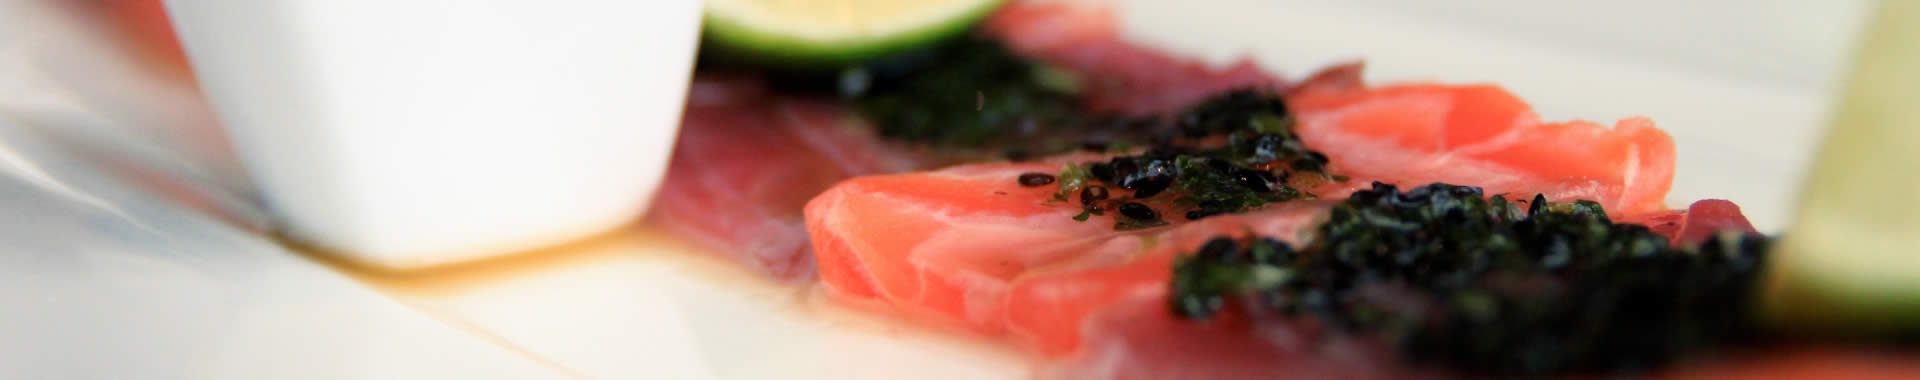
[
  {"x": 1092, "y": 298},
  {"x": 748, "y": 158},
  {"x": 1697, "y": 223},
  {"x": 912, "y": 241},
  {"x": 1484, "y": 136},
  {"x": 967, "y": 247}
]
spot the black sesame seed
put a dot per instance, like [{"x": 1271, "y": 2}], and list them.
[
  {"x": 1150, "y": 187},
  {"x": 1035, "y": 179},
  {"x": 1159, "y": 168},
  {"x": 1139, "y": 211},
  {"x": 1145, "y": 179},
  {"x": 1093, "y": 193},
  {"x": 1101, "y": 171},
  {"x": 1125, "y": 169},
  {"x": 1245, "y": 173}
]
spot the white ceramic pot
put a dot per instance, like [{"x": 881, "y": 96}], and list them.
[{"x": 411, "y": 133}]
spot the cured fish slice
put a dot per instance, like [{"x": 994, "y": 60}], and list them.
[
  {"x": 745, "y": 162},
  {"x": 1482, "y": 135},
  {"x": 970, "y": 246},
  {"x": 748, "y": 159}
]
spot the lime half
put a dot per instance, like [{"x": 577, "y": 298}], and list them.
[{"x": 826, "y": 33}]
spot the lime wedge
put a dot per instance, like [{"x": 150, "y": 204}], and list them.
[
  {"x": 1852, "y": 260},
  {"x": 826, "y": 33}
]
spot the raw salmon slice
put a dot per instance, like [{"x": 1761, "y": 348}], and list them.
[
  {"x": 1697, "y": 222},
  {"x": 947, "y": 242},
  {"x": 1482, "y": 135},
  {"x": 748, "y": 159},
  {"x": 969, "y": 246},
  {"x": 745, "y": 162}
]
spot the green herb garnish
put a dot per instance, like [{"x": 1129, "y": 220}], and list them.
[
  {"x": 973, "y": 94},
  {"x": 1508, "y": 290},
  {"x": 1206, "y": 176}
]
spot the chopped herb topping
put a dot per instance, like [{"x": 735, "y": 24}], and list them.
[
  {"x": 974, "y": 94},
  {"x": 1237, "y": 152},
  {"x": 1229, "y": 154},
  {"x": 1236, "y": 111},
  {"x": 1093, "y": 193},
  {"x": 1487, "y": 286}
]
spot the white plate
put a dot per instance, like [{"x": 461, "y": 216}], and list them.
[
  {"x": 1740, "y": 84},
  {"x": 99, "y": 280}
]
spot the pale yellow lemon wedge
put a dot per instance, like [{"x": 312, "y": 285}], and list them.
[{"x": 1851, "y": 260}]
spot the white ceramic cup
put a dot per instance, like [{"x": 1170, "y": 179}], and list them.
[{"x": 412, "y": 133}]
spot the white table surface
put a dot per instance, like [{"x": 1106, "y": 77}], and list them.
[{"x": 100, "y": 279}]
